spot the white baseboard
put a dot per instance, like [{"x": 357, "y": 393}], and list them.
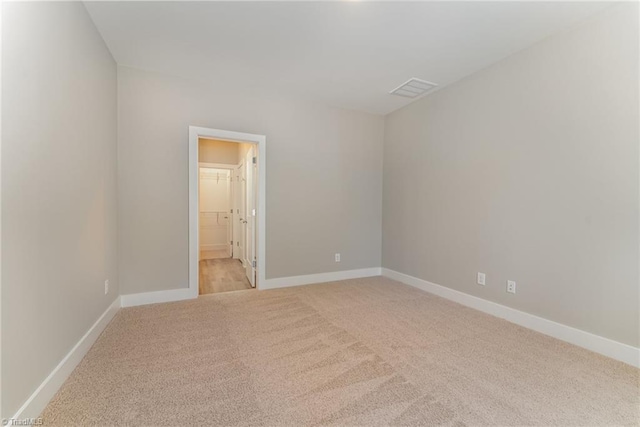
[
  {"x": 607, "y": 347},
  {"x": 144, "y": 298},
  {"x": 214, "y": 247},
  {"x": 285, "y": 282},
  {"x": 36, "y": 403}
]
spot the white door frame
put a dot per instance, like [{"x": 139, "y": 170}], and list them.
[
  {"x": 195, "y": 133},
  {"x": 250, "y": 209}
]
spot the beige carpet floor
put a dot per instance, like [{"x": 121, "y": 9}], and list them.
[{"x": 359, "y": 352}]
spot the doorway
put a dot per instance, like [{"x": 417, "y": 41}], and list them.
[
  {"x": 226, "y": 216},
  {"x": 226, "y": 211},
  {"x": 218, "y": 270}
]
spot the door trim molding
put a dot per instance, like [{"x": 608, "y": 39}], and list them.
[{"x": 195, "y": 133}]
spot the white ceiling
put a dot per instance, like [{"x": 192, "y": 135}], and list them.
[{"x": 345, "y": 54}]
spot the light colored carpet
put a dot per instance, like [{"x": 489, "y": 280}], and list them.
[{"x": 358, "y": 352}]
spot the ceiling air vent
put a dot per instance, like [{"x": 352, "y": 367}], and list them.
[{"x": 413, "y": 88}]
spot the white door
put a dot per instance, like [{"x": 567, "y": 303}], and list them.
[
  {"x": 238, "y": 214},
  {"x": 250, "y": 246}
]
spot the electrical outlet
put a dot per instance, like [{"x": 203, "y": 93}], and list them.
[
  {"x": 511, "y": 286},
  {"x": 481, "y": 279},
  {"x": 106, "y": 287},
  {"x": 337, "y": 257}
]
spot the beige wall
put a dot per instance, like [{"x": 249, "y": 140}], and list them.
[
  {"x": 214, "y": 151},
  {"x": 324, "y": 179},
  {"x": 58, "y": 188},
  {"x": 528, "y": 171}
]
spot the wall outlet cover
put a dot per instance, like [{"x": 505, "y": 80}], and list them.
[{"x": 481, "y": 279}]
